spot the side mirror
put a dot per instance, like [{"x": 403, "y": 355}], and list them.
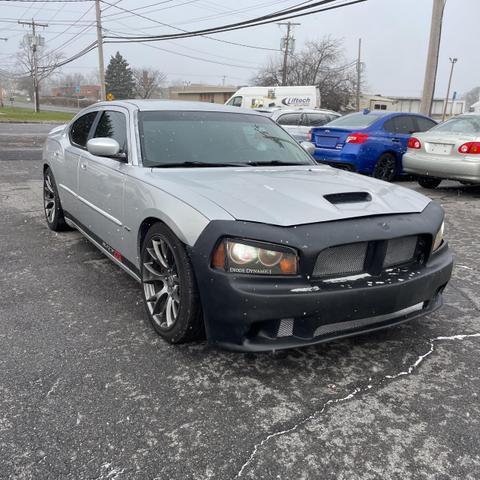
[
  {"x": 309, "y": 147},
  {"x": 103, "y": 147}
]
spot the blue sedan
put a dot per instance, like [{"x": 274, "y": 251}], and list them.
[{"x": 371, "y": 143}]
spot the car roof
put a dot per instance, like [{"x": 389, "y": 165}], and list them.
[{"x": 167, "y": 105}]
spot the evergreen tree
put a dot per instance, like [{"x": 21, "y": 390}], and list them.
[{"x": 119, "y": 78}]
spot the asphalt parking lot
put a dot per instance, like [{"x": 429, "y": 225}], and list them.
[{"x": 88, "y": 391}]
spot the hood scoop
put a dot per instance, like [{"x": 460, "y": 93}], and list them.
[{"x": 348, "y": 197}]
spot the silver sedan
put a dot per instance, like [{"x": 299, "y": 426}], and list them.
[
  {"x": 298, "y": 122},
  {"x": 450, "y": 150},
  {"x": 235, "y": 233}
]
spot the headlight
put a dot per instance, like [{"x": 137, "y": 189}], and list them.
[
  {"x": 237, "y": 256},
  {"x": 439, "y": 238}
]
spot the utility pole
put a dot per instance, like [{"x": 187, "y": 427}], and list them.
[
  {"x": 101, "y": 66},
  {"x": 432, "y": 57},
  {"x": 359, "y": 72},
  {"x": 35, "y": 42},
  {"x": 287, "y": 46},
  {"x": 453, "y": 61}
]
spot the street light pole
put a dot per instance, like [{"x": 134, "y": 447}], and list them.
[
  {"x": 432, "y": 58},
  {"x": 101, "y": 66},
  {"x": 453, "y": 61}
]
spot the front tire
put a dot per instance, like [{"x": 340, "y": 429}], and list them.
[
  {"x": 169, "y": 288},
  {"x": 51, "y": 203},
  {"x": 429, "y": 182},
  {"x": 385, "y": 168}
]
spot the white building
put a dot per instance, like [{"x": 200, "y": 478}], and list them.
[{"x": 412, "y": 105}]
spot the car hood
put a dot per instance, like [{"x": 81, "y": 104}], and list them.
[{"x": 288, "y": 196}]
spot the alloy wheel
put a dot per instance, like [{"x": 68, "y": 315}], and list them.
[
  {"x": 161, "y": 283},
  {"x": 49, "y": 203},
  {"x": 385, "y": 169}
]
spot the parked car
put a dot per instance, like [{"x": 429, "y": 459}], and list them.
[
  {"x": 450, "y": 150},
  {"x": 238, "y": 233},
  {"x": 299, "y": 122},
  {"x": 369, "y": 142}
]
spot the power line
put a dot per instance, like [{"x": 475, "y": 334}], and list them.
[
  {"x": 185, "y": 31},
  {"x": 151, "y": 5},
  {"x": 187, "y": 56},
  {"x": 46, "y": 1},
  {"x": 272, "y": 18},
  {"x": 116, "y": 32},
  {"x": 191, "y": 34}
]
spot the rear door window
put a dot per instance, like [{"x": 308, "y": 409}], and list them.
[
  {"x": 80, "y": 129},
  {"x": 318, "y": 119},
  {"x": 113, "y": 124},
  {"x": 291, "y": 119},
  {"x": 402, "y": 125}
]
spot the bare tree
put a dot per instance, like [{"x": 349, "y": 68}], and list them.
[
  {"x": 321, "y": 63},
  {"x": 147, "y": 82},
  {"x": 471, "y": 97},
  {"x": 47, "y": 62}
]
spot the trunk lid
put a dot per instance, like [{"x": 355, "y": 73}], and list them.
[{"x": 324, "y": 137}]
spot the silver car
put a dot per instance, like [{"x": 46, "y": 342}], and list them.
[
  {"x": 235, "y": 233},
  {"x": 450, "y": 150},
  {"x": 299, "y": 122}
]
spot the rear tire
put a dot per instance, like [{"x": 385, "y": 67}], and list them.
[
  {"x": 429, "y": 182},
  {"x": 385, "y": 168},
  {"x": 51, "y": 204},
  {"x": 169, "y": 288}
]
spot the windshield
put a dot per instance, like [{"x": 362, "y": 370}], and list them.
[
  {"x": 462, "y": 124},
  {"x": 354, "y": 120},
  {"x": 197, "y": 138}
]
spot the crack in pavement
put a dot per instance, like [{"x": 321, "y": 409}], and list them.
[{"x": 351, "y": 395}]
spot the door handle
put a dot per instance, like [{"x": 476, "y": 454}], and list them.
[{"x": 83, "y": 166}]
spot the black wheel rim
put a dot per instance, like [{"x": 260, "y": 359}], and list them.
[
  {"x": 386, "y": 169},
  {"x": 161, "y": 283},
  {"x": 49, "y": 199}
]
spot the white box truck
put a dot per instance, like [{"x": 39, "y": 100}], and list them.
[{"x": 276, "y": 97}]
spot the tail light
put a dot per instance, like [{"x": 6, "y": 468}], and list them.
[
  {"x": 414, "y": 143},
  {"x": 309, "y": 136},
  {"x": 472, "y": 148},
  {"x": 357, "y": 138}
]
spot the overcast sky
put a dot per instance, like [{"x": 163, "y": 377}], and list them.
[{"x": 394, "y": 35}]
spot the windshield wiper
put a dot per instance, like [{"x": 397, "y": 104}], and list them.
[
  {"x": 194, "y": 164},
  {"x": 277, "y": 163}
]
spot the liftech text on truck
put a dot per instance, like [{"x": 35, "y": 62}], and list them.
[{"x": 276, "y": 97}]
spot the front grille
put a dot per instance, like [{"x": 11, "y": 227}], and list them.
[
  {"x": 366, "y": 257},
  {"x": 342, "y": 260},
  {"x": 400, "y": 250}
]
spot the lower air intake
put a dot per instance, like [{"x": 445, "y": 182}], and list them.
[{"x": 285, "y": 328}]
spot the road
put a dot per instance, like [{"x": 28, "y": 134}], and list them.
[
  {"x": 88, "y": 391},
  {"x": 46, "y": 107}
]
